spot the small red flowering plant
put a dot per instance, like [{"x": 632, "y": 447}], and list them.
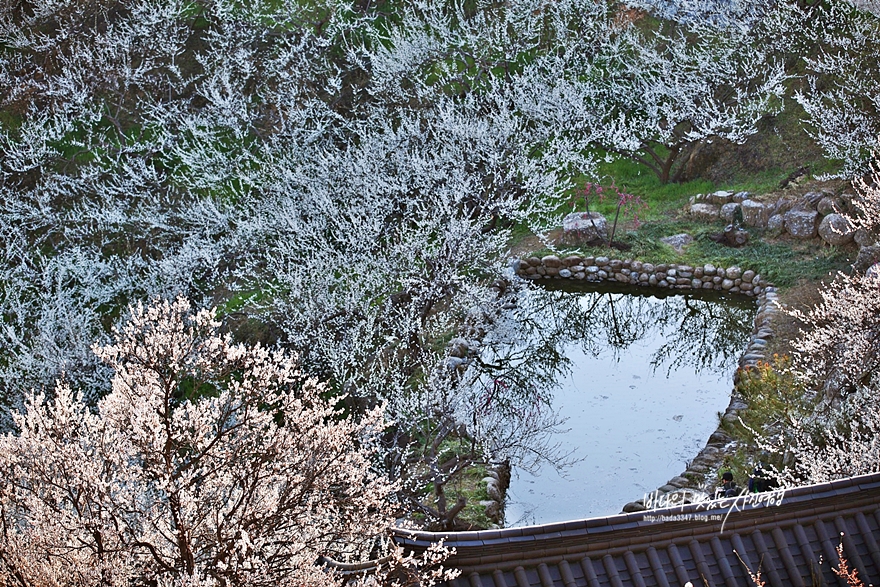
[{"x": 628, "y": 203}]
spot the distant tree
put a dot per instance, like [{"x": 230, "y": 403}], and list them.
[
  {"x": 209, "y": 463},
  {"x": 842, "y": 95},
  {"x": 654, "y": 96}
]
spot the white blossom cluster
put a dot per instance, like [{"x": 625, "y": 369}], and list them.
[
  {"x": 842, "y": 98},
  {"x": 838, "y": 349},
  {"x": 245, "y": 174},
  {"x": 590, "y": 69},
  {"x": 719, "y": 13},
  {"x": 668, "y": 93}
]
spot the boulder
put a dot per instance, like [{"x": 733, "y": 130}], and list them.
[
  {"x": 776, "y": 225},
  {"x": 783, "y": 205},
  {"x": 731, "y": 237},
  {"x": 494, "y": 492},
  {"x": 721, "y": 197},
  {"x": 802, "y": 223},
  {"x": 551, "y": 261},
  {"x": 810, "y": 200},
  {"x": 829, "y": 205},
  {"x": 454, "y": 363},
  {"x": 678, "y": 241},
  {"x": 867, "y": 256},
  {"x": 494, "y": 510},
  {"x": 836, "y": 230},
  {"x": 740, "y": 197},
  {"x": 583, "y": 227},
  {"x": 458, "y": 347},
  {"x": 863, "y": 238},
  {"x": 633, "y": 507},
  {"x": 702, "y": 211},
  {"x": 755, "y": 213},
  {"x": 679, "y": 482},
  {"x": 728, "y": 212}
]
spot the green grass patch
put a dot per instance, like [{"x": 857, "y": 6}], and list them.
[
  {"x": 634, "y": 178},
  {"x": 242, "y": 300},
  {"x": 10, "y": 121},
  {"x": 784, "y": 262},
  {"x": 471, "y": 485}
]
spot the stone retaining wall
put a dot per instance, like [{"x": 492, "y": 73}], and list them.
[
  {"x": 812, "y": 215},
  {"x": 733, "y": 280},
  {"x": 629, "y": 272},
  {"x": 497, "y": 482}
]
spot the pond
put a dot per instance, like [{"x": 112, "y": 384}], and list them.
[{"x": 628, "y": 387}]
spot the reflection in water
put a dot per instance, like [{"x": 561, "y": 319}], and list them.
[{"x": 639, "y": 378}]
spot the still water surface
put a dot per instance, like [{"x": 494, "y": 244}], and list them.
[{"x": 640, "y": 380}]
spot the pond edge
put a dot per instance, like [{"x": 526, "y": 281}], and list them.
[{"x": 732, "y": 280}]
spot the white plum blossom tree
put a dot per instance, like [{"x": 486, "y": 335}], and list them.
[
  {"x": 252, "y": 171},
  {"x": 842, "y": 96},
  {"x": 839, "y": 348},
  {"x": 275, "y": 174},
  {"x": 589, "y": 69},
  {"x": 655, "y": 96}
]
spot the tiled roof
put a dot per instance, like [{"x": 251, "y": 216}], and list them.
[{"x": 784, "y": 538}]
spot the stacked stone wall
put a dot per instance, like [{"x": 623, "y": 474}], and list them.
[
  {"x": 628, "y": 272},
  {"x": 813, "y": 215}
]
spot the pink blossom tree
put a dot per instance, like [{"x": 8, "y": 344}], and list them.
[{"x": 208, "y": 463}]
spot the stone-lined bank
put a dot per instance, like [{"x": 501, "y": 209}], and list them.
[
  {"x": 733, "y": 280},
  {"x": 628, "y": 272}
]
